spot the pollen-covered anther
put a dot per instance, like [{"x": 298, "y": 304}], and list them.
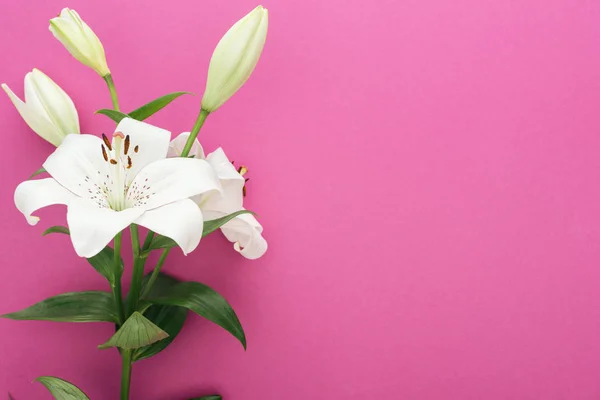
[
  {"x": 127, "y": 143},
  {"x": 136, "y": 149},
  {"x": 113, "y": 161},
  {"x": 106, "y": 142},
  {"x": 129, "y": 162},
  {"x": 242, "y": 170},
  {"x": 104, "y": 153}
]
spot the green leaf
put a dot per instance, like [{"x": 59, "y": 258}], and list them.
[
  {"x": 104, "y": 263},
  {"x": 136, "y": 332},
  {"x": 163, "y": 242},
  {"x": 214, "y": 224},
  {"x": 168, "y": 318},
  {"x": 154, "y": 106},
  {"x": 57, "y": 229},
  {"x": 61, "y": 389},
  {"x": 39, "y": 171},
  {"x": 116, "y": 116},
  {"x": 205, "y": 302},
  {"x": 212, "y": 397},
  {"x": 89, "y": 306}
]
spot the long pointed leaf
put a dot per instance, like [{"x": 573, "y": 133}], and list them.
[
  {"x": 89, "y": 306},
  {"x": 36, "y": 173},
  {"x": 116, "y": 116},
  {"x": 104, "y": 263},
  {"x": 212, "y": 397},
  {"x": 163, "y": 242},
  {"x": 137, "y": 331},
  {"x": 61, "y": 389},
  {"x": 57, "y": 229},
  {"x": 154, "y": 106},
  {"x": 205, "y": 302},
  {"x": 214, "y": 224}
]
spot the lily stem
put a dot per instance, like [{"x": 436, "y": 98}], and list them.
[
  {"x": 154, "y": 275},
  {"x": 125, "y": 373},
  {"x": 113, "y": 91},
  {"x": 116, "y": 286},
  {"x": 138, "y": 271},
  {"x": 186, "y": 151},
  {"x": 194, "y": 133}
]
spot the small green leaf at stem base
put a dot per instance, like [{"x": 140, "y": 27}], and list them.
[
  {"x": 205, "y": 302},
  {"x": 137, "y": 331},
  {"x": 91, "y": 306},
  {"x": 57, "y": 229},
  {"x": 61, "y": 389},
  {"x": 168, "y": 318}
]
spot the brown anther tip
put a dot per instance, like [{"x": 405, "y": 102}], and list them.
[
  {"x": 127, "y": 143},
  {"x": 113, "y": 161},
  {"x": 129, "y": 163},
  {"x": 106, "y": 142},
  {"x": 136, "y": 149},
  {"x": 104, "y": 153}
]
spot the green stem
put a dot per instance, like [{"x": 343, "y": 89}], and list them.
[
  {"x": 138, "y": 271},
  {"x": 154, "y": 275},
  {"x": 125, "y": 374},
  {"x": 186, "y": 151},
  {"x": 113, "y": 91},
  {"x": 116, "y": 286},
  {"x": 194, "y": 133}
]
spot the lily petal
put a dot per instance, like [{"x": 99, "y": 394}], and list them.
[
  {"x": 176, "y": 147},
  {"x": 30, "y": 196},
  {"x": 39, "y": 123},
  {"x": 44, "y": 95},
  {"x": 246, "y": 234},
  {"x": 77, "y": 164},
  {"x": 181, "y": 221},
  {"x": 92, "y": 228},
  {"x": 169, "y": 180},
  {"x": 231, "y": 197},
  {"x": 151, "y": 142}
]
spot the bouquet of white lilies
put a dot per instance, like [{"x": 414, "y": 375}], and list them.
[{"x": 138, "y": 177}]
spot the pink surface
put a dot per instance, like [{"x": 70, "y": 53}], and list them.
[{"x": 427, "y": 172}]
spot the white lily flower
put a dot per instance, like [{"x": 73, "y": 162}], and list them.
[
  {"x": 47, "y": 109},
  {"x": 244, "y": 230},
  {"x": 80, "y": 40},
  {"x": 235, "y": 57},
  {"x": 109, "y": 185}
]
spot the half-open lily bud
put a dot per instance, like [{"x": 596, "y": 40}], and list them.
[
  {"x": 80, "y": 40},
  {"x": 235, "y": 57},
  {"x": 47, "y": 109}
]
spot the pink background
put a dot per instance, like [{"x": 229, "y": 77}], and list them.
[{"x": 427, "y": 173}]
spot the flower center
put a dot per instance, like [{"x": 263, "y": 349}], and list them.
[{"x": 118, "y": 155}]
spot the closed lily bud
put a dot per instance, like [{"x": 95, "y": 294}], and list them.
[
  {"x": 47, "y": 109},
  {"x": 235, "y": 57},
  {"x": 80, "y": 40}
]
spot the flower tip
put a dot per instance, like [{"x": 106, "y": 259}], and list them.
[{"x": 33, "y": 220}]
